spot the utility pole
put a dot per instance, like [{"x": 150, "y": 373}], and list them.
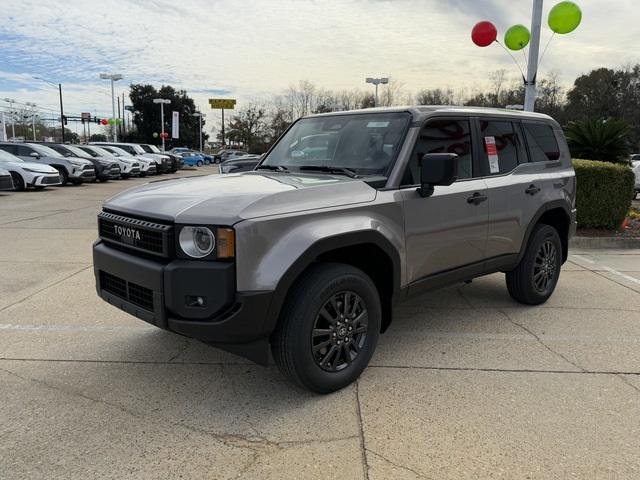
[{"x": 534, "y": 52}]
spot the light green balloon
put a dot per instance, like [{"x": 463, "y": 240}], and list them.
[
  {"x": 517, "y": 37},
  {"x": 112, "y": 121},
  {"x": 565, "y": 17}
]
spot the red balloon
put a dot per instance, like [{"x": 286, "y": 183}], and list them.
[
  {"x": 164, "y": 135},
  {"x": 104, "y": 121},
  {"x": 484, "y": 34}
]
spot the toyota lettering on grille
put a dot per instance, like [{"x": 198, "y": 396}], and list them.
[{"x": 127, "y": 234}]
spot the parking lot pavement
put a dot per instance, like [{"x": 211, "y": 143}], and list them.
[{"x": 465, "y": 384}]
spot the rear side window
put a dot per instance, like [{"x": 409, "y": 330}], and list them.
[
  {"x": 503, "y": 147},
  {"x": 442, "y": 136},
  {"x": 543, "y": 146}
]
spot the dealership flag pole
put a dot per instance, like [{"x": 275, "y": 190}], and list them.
[{"x": 534, "y": 51}]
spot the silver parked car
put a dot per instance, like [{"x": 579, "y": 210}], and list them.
[
  {"x": 346, "y": 215},
  {"x": 28, "y": 174},
  {"x": 72, "y": 170}
]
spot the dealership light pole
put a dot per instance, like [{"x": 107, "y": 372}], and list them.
[
  {"x": 11, "y": 101},
  {"x": 162, "y": 102},
  {"x": 200, "y": 115},
  {"x": 114, "y": 77},
  {"x": 376, "y": 82},
  {"x": 33, "y": 118},
  {"x": 59, "y": 85},
  {"x": 534, "y": 50}
]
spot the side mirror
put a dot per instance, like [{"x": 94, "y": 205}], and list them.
[
  {"x": 34, "y": 155},
  {"x": 436, "y": 169}
]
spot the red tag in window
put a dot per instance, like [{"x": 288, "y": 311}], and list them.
[{"x": 492, "y": 153}]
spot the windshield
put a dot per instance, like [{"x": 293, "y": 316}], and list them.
[
  {"x": 154, "y": 149},
  {"x": 137, "y": 149},
  {"x": 88, "y": 150},
  {"x": 7, "y": 157},
  {"x": 45, "y": 151},
  {"x": 78, "y": 152},
  {"x": 120, "y": 151},
  {"x": 103, "y": 152},
  {"x": 147, "y": 148},
  {"x": 364, "y": 143}
]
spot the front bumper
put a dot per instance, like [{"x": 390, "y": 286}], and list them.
[
  {"x": 6, "y": 182},
  {"x": 161, "y": 293},
  {"x": 46, "y": 180},
  {"x": 79, "y": 174},
  {"x": 109, "y": 172}
]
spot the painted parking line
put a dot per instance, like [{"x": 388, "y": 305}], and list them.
[{"x": 598, "y": 267}]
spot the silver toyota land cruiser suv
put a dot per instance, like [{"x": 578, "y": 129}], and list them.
[{"x": 346, "y": 215}]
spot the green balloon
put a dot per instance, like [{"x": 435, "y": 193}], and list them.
[
  {"x": 112, "y": 121},
  {"x": 565, "y": 17},
  {"x": 517, "y": 37}
]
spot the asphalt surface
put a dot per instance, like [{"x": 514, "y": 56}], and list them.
[{"x": 465, "y": 384}]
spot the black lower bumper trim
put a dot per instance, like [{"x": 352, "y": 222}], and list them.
[{"x": 159, "y": 293}]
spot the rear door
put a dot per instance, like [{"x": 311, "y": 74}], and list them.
[
  {"x": 449, "y": 229},
  {"x": 513, "y": 184}
]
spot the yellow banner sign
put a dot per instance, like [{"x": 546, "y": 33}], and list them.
[{"x": 225, "y": 103}]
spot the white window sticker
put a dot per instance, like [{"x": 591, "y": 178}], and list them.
[
  {"x": 377, "y": 124},
  {"x": 492, "y": 153}
]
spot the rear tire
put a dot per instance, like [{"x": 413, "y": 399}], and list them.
[
  {"x": 199, "y": 163},
  {"x": 535, "y": 278},
  {"x": 18, "y": 182},
  {"x": 328, "y": 329}
]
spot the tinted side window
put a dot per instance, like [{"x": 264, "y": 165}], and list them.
[
  {"x": 9, "y": 148},
  {"x": 442, "y": 136},
  {"x": 508, "y": 145},
  {"x": 24, "y": 151},
  {"x": 542, "y": 142}
]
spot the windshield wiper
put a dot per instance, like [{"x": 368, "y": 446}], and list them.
[
  {"x": 326, "y": 168},
  {"x": 275, "y": 168}
]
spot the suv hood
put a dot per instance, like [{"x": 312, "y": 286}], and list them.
[
  {"x": 36, "y": 167},
  {"x": 228, "y": 199}
]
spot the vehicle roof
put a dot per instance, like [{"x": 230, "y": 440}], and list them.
[{"x": 420, "y": 113}]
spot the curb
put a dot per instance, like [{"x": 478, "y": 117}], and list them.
[{"x": 604, "y": 242}]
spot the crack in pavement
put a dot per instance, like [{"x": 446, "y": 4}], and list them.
[
  {"x": 253, "y": 365},
  {"x": 182, "y": 350},
  {"x": 363, "y": 447},
  {"x": 627, "y": 382},
  {"x": 257, "y": 444},
  {"x": 533, "y": 334},
  {"x": 28, "y": 297},
  {"x": 397, "y": 465}
]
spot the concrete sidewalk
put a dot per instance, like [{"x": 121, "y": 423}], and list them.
[{"x": 465, "y": 384}]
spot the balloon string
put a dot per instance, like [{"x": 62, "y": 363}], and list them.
[
  {"x": 512, "y": 57},
  {"x": 526, "y": 60},
  {"x": 545, "y": 51}
]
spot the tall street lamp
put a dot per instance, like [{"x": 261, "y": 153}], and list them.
[
  {"x": 59, "y": 85},
  {"x": 33, "y": 118},
  {"x": 11, "y": 101},
  {"x": 114, "y": 77},
  {"x": 376, "y": 82},
  {"x": 162, "y": 102},
  {"x": 200, "y": 116}
]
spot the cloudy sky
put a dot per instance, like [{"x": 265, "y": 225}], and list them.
[{"x": 250, "y": 49}]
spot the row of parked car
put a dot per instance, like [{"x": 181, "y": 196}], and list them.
[{"x": 38, "y": 165}]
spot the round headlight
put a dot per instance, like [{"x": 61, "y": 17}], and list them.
[{"x": 197, "y": 242}]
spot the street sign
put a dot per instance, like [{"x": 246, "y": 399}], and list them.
[
  {"x": 129, "y": 108},
  {"x": 85, "y": 116},
  {"x": 222, "y": 103}
]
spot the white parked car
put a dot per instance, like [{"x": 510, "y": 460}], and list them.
[
  {"x": 128, "y": 167},
  {"x": 137, "y": 152},
  {"x": 6, "y": 182},
  {"x": 635, "y": 165},
  {"x": 28, "y": 174},
  {"x": 148, "y": 166}
]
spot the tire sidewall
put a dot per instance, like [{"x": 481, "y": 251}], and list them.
[
  {"x": 19, "y": 184},
  {"x": 306, "y": 367},
  {"x": 543, "y": 234}
]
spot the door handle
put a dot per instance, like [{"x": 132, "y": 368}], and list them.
[
  {"x": 477, "y": 198},
  {"x": 532, "y": 190}
]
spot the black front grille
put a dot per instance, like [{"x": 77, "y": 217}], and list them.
[
  {"x": 50, "y": 180},
  {"x": 140, "y": 296},
  {"x": 132, "y": 233}
]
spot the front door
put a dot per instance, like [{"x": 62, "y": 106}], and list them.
[{"x": 449, "y": 229}]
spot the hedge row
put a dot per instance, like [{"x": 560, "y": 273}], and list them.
[{"x": 604, "y": 193}]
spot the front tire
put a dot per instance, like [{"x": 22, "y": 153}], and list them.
[
  {"x": 329, "y": 328},
  {"x": 199, "y": 163},
  {"x": 535, "y": 278},
  {"x": 18, "y": 182}
]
